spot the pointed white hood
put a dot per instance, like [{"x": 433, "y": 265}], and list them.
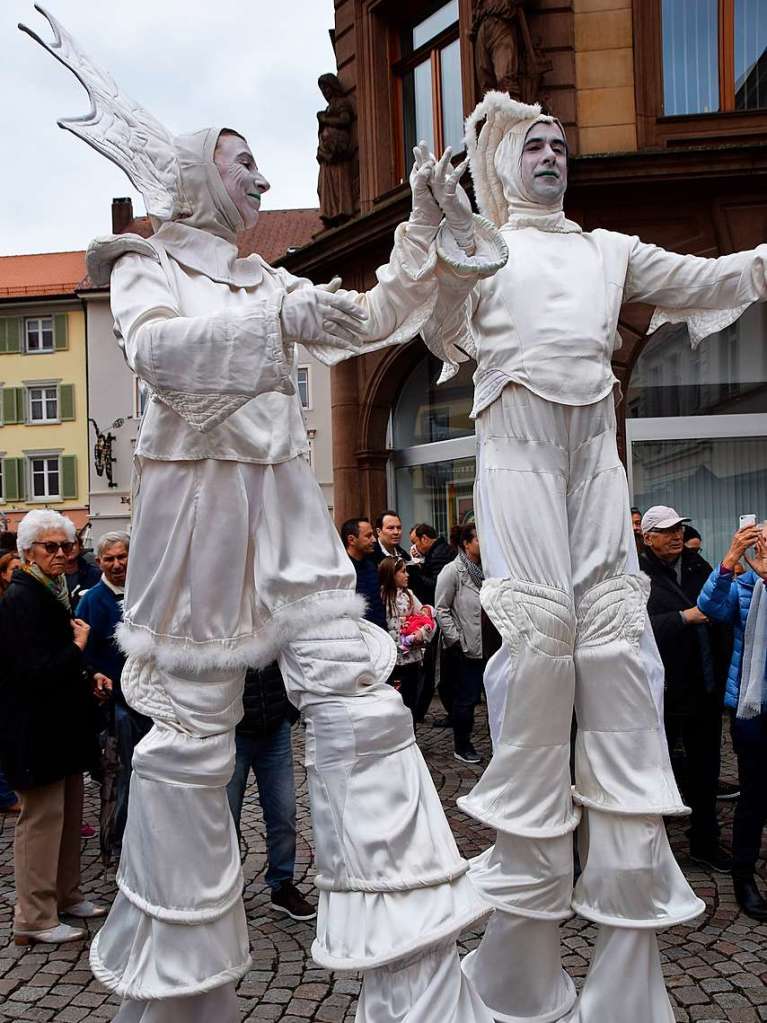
[{"x": 495, "y": 137}]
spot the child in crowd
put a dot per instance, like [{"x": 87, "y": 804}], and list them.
[{"x": 411, "y": 625}]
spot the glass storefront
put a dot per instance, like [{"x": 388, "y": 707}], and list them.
[
  {"x": 433, "y": 464},
  {"x": 697, "y": 426}
]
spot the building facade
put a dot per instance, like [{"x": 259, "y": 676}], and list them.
[
  {"x": 665, "y": 107},
  {"x": 43, "y": 417}
]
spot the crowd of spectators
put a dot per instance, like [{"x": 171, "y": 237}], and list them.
[{"x": 62, "y": 708}]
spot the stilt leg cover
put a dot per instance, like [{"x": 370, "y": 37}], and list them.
[
  {"x": 530, "y": 877},
  {"x": 630, "y": 878},
  {"x": 526, "y": 787},
  {"x": 427, "y": 989},
  {"x": 391, "y": 879},
  {"x": 621, "y": 756},
  {"x": 517, "y": 971},
  {"x": 625, "y": 981},
  {"x": 219, "y": 1005},
  {"x": 177, "y": 927}
]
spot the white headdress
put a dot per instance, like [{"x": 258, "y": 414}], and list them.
[
  {"x": 495, "y": 137},
  {"x": 117, "y": 127}
]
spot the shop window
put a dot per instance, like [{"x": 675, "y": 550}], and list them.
[
  {"x": 429, "y": 76},
  {"x": 433, "y": 463},
  {"x": 696, "y": 429}
]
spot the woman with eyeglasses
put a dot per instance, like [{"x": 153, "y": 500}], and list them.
[
  {"x": 408, "y": 626},
  {"x": 48, "y": 731}
]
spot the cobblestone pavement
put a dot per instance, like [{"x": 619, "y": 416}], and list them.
[{"x": 716, "y": 967}]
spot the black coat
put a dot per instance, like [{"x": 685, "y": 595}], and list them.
[
  {"x": 48, "y": 717},
  {"x": 423, "y": 577},
  {"x": 682, "y": 646},
  {"x": 266, "y": 702}
]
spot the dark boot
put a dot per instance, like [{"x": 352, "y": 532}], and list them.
[{"x": 749, "y": 898}]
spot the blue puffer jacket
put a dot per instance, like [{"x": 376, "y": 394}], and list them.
[{"x": 725, "y": 599}]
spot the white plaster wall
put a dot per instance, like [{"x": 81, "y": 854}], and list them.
[{"x": 110, "y": 397}]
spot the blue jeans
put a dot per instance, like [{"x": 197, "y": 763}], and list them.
[
  {"x": 271, "y": 757},
  {"x": 7, "y": 796},
  {"x": 130, "y": 728}
]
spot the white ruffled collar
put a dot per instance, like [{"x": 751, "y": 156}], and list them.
[
  {"x": 210, "y": 255},
  {"x": 554, "y": 221}
]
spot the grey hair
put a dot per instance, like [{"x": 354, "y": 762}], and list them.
[
  {"x": 108, "y": 539},
  {"x": 39, "y": 521}
]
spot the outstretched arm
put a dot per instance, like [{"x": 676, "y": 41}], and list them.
[{"x": 707, "y": 294}]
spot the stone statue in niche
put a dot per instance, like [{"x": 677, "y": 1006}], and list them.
[
  {"x": 335, "y": 153},
  {"x": 505, "y": 55}
]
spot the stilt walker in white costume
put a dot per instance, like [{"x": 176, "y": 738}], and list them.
[
  {"x": 221, "y": 479},
  {"x": 562, "y": 579}
]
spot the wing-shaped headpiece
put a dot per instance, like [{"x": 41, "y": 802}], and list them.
[{"x": 118, "y": 127}]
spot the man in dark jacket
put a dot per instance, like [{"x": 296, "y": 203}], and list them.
[
  {"x": 102, "y": 608},
  {"x": 262, "y": 741},
  {"x": 695, "y": 657},
  {"x": 360, "y": 541},
  {"x": 81, "y": 573},
  {"x": 436, "y": 553},
  {"x": 388, "y": 527}
]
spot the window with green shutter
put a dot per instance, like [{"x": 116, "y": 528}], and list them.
[
  {"x": 60, "y": 331},
  {"x": 69, "y": 477},
  {"x": 10, "y": 334},
  {"x": 13, "y": 479},
  {"x": 13, "y": 405},
  {"x": 66, "y": 402}
]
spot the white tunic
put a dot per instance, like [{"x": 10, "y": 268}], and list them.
[
  {"x": 548, "y": 319},
  {"x": 202, "y": 329}
]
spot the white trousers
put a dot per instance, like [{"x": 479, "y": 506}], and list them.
[
  {"x": 562, "y": 586},
  {"x": 394, "y": 890}
]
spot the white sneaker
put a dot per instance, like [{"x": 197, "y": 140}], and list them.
[
  {"x": 51, "y": 936},
  {"x": 85, "y": 910}
]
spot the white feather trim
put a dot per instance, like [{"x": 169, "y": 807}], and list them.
[
  {"x": 253, "y": 651},
  {"x": 500, "y": 113}
]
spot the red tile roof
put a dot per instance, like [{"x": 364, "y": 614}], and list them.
[
  {"x": 275, "y": 233},
  {"x": 40, "y": 274}
]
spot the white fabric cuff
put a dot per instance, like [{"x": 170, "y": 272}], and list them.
[{"x": 490, "y": 255}]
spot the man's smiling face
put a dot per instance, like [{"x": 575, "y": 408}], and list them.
[
  {"x": 544, "y": 163},
  {"x": 240, "y": 175}
]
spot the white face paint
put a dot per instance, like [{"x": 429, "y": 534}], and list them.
[
  {"x": 239, "y": 173},
  {"x": 543, "y": 167}
]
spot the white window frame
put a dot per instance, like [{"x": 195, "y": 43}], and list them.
[
  {"x": 711, "y": 427},
  {"x": 42, "y": 386},
  {"x": 31, "y": 457},
  {"x": 38, "y": 320},
  {"x": 308, "y": 370}
]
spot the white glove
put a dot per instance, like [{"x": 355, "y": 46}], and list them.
[
  {"x": 314, "y": 315},
  {"x": 425, "y": 208},
  {"x": 453, "y": 200}
]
